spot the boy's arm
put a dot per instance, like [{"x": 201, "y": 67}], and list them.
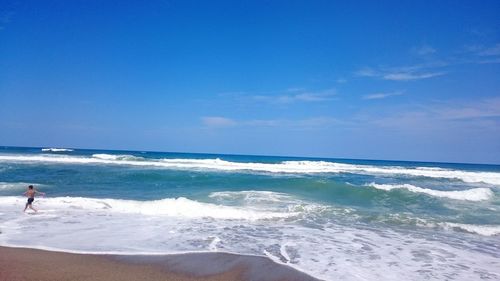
[{"x": 39, "y": 192}]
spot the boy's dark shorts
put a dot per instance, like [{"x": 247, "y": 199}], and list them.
[{"x": 30, "y": 200}]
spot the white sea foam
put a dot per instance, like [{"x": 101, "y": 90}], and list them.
[
  {"x": 486, "y": 230},
  {"x": 57, "y": 149},
  {"x": 123, "y": 157},
  {"x": 474, "y": 194},
  {"x": 253, "y": 197},
  {"x": 176, "y": 207},
  {"x": 333, "y": 251},
  {"x": 275, "y": 201},
  {"x": 287, "y": 167},
  {"x": 213, "y": 245}
]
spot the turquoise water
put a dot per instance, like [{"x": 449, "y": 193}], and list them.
[{"x": 332, "y": 218}]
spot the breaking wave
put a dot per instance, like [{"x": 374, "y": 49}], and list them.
[
  {"x": 13, "y": 185},
  {"x": 485, "y": 230},
  {"x": 124, "y": 157},
  {"x": 176, "y": 207},
  {"x": 286, "y": 167},
  {"x": 57, "y": 149},
  {"x": 474, "y": 194}
]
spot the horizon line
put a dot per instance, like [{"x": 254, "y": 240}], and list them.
[{"x": 259, "y": 155}]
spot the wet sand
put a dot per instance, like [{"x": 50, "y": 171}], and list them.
[{"x": 18, "y": 264}]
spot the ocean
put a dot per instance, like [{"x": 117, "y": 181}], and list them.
[{"x": 335, "y": 219}]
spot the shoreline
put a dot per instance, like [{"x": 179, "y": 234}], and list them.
[{"x": 18, "y": 264}]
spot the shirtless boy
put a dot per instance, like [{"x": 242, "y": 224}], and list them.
[{"x": 30, "y": 193}]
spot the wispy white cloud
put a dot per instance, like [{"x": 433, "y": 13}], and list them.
[
  {"x": 408, "y": 76},
  {"x": 303, "y": 124},
  {"x": 480, "y": 54},
  {"x": 287, "y": 96},
  {"x": 490, "y": 51},
  {"x": 436, "y": 120},
  {"x": 265, "y": 122},
  {"x": 407, "y": 73},
  {"x": 295, "y": 95},
  {"x": 217, "y": 122},
  {"x": 317, "y": 122},
  {"x": 423, "y": 50},
  {"x": 294, "y": 90},
  {"x": 485, "y": 108},
  {"x": 382, "y": 95},
  {"x": 490, "y": 61},
  {"x": 481, "y": 114},
  {"x": 367, "y": 72},
  {"x": 470, "y": 54}
]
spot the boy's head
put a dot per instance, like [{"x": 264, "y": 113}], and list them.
[{"x": 30, "y": 187}]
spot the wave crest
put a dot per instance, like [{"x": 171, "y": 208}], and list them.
[
  {"x": 474, "y": 194},
  {"x": 13, "y": 185},
  {"x": 485, "y": 230},
  {"x": 123, "y": 157},
  {"x": 285, "y": 167},
  {"x": 177, "y": 207},
  {"x": 57, "y": 149}
]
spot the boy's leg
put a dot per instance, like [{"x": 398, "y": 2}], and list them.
[
  {"x": 25, "y": 207},
  {"x": 31, "y": 207}
]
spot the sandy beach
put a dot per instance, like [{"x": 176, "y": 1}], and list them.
[{"x": 18, "y": 264}]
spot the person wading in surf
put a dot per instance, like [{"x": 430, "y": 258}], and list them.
[{"x": 30, "y": 193}]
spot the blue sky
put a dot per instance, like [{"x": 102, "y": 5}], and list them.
[{"x": 365, "y": 79}]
